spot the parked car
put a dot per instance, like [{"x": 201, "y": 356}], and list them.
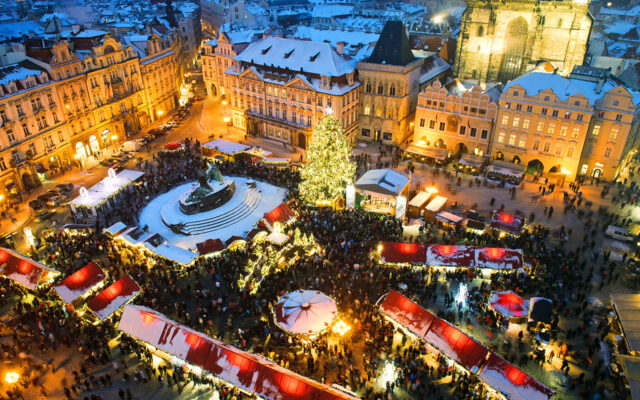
[
  {"x": 65, "y": 186},
  {"x": 45, "y": 197},
  {"x": 44, "y": 215},
  {"x": 54, "y": 192},
  {"x": 617, "y": 233},
  {"x": 36, "y": 205},
  {"x": 56, "y": 201}
]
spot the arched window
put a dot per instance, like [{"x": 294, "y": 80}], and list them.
[
  {"x": 480, "y": 31},
  {"x": 368, "y": 87},
  {"x": 392, "y": 90},
  {"x": 367, "y": 110},
  {"x": 380, "y": 88}
]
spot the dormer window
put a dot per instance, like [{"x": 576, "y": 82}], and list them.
[
  {"x": 326, "y": 83},
  {"x": 350, "y": 79}
]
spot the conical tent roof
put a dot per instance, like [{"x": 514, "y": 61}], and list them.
[{"x": 305, "y": 312}]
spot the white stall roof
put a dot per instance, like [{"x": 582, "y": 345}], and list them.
[
  {"x": 446, "y": 216},
  {"x": 226, "y": 146},
  {"x": 383, "y": 181},
  {"x": 106, "y": 188},
  {"x": 627, "y": 307},
  {"x": 116, "y": 228},
  {"x": 419, "y": 199},
  {"x": 436, "y": 204}
]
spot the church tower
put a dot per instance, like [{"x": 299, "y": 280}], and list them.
[{"x": 501, "y": 39}]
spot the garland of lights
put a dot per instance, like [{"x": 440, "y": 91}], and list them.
[{"x": 329, "y": 168}]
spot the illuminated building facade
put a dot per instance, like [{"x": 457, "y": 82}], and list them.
[{"x": 500, "y": 40}]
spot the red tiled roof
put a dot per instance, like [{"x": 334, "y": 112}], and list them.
[{"x": 210, "y": 246}]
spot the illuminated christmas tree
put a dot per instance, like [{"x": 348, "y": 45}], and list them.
[{"x": 329, "y": 168}]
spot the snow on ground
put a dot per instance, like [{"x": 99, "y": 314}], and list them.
[{"x": 272, "y": 196}]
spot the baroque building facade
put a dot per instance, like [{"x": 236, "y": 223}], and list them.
[{"x": 500, "y": 40}]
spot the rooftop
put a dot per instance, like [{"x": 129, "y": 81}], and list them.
[{"x": 393, "y": 46}]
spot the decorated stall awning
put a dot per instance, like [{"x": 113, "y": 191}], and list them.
[
  {"x": 445, "y": 255},
  {"x": 249, "y": 372},
  {"x": 24, "y": 271},
  {"x": 509, "y": 304},
  {"x": 210, "y": 246},
  {"x": 407, "y": 313},
  {"x": 112, "y": 298},
  {"x": 508, "y": 223},
  {"x": 511, "y": 381},
  {"x": 391, "y": 252},
  {"x": 80, "y": 282},
  {"x": 279, "y": 215},
  {"x": 457, "y": 345}
]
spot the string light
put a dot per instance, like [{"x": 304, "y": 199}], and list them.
[{"x": 329, "y": 168}]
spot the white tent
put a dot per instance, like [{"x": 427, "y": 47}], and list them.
[{"x": 306, "y": 312}]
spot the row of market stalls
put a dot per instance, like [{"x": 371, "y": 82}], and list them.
[
  {"x": 253, "y": 374},
  {"x": 456, "y": 256},
  {"x": 225, "y": 150},
  {"x": 445, "y": 338},
  {"x": 81, "y": 290},
  {"x": 625, "y": 360}
]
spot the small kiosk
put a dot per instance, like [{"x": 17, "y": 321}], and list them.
[
  {"x": 418, "y": 203},
  {"x": 379, "y": 190},
  {"x": 436, "y": 205}
]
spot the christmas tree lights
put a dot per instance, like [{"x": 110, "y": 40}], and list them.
[{"x": 329, "y": 168}]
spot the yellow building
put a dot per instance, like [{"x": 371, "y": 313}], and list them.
[
  {"x": 158, "y": 69},
  {"x": 390, "y": 84},
  {"x": 455, "y": 118},
  {"x": 280, "y": 89},
  {"x": 501, "y": 39},
  {"x": 31, "y": 130}
]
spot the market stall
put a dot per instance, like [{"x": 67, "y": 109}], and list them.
[
  {"x": 281, "y": 215},
  {"x": 418, "y": 203},
  {"x": 254, "y": 375},
  {"x": 431, "y": 155},
  {"x": 507, "y": 223},
  {"x": 509, "y": 304},
  {"x": 104, "y": 195},
  {"x": 277, "y": 238},
  {"x": 25, "y": 271},
  {"x": 403, "y": 253},
  {"x": 112, "y": 298},
  {"x": 380, "y": 189},
  {"x": 449, "y": 220},
  {"x": 470, "y": 164},
  {"x": 407, "y": 313},
  {"x": 627, "y": 309},
  {"x": 275, "y": 162},
  {"x": 511, "y": 381},
  {"x": 504, "y": 171},
  {"x": 432, "y": 209},
  {"x": 441, "y": 255},
  {"x": 540, "y": 310},
  {"x": 115, "y": 229},
  {"x": 81, "y": 284},
  {"x": 305, "y": 312},
  {"x": 210, "y": 246},
  {"x": 225, "y": 148}
]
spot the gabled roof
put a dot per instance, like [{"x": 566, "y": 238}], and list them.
[
  {"x": 393, "y": 46},
  {"x": 78, "y": 283},
  {"x": 22, "y": 270}
]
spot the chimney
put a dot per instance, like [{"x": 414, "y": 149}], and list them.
[
  {"x": 340, "y": 48},
  {"x": 601, "y": 81}
]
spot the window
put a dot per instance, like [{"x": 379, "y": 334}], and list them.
[
  {"x": 547, "y": 98},
  {"x": 505, "y": 120},
  {"x": 551, "y": 129},
  {"x": 432, "y": 124},
  {"x": 546, "y": 147},
  {"x": 544, "y": 111},
  {"x": 32, "y": 148},
  {"x": 607, "y": 152},
  {"x": 596, "y": 130},
  {"x": 19, "y": 110},
  {"x": 525, "y": 123},
  {"x": 380, "y": 88},
  {"x": 540, "y": 126},
  {"x": 49, "y": 99},
  {"x": 473, "y": 132},
  {"x": 392, "y": 91},
  {"x": 536, "y": 145},
  {"x": 3, "y": 166},
  {"x": 387, "y": 136},
  {"x": 576, "y": 103},
  {"x": 614, "y": 132},
  {"x": 567, "y": 115},
  {"x": 522, "y": 142},
  {"x": 575, "y": 132},
  {"x": 421, "y": 122},
  {"x": 366, "y": 132},
  {"x": 570, "y": 152},
  {"x": 320, "y": 102},
  {"x": 563, "y": 131},
  {"x": 484, "y": 134},
  {"x": 515, "y": 93},
  {"x": 616, "y": 103},
  {"x": 10, "y": 136},
  {"x": 441, "y": 126},
  {"x": 501, "y": 136},
  {"x": 3, "y": 115},
  {"x": 463, "y": 130},
  {"x": 518, "y": 107},
  {"x": 25, "y": 129},
  {"x": 529, "y": 109},
  {"x": 481, "y": 32},
  {"x": 507, "y": 105},
  {"x": 309, "y": 120},
  {"x": 618, "y": 117},
  {"x": 60, "y": 137},
  {"x": 554, "y": 113},
  {"x": 515, "y": 122},
  {"x": 328, "y": 101},
  {"x": 579, "y": 117},
  {"x": 368, "y": 87},
  {"x": 512, "y": 140},
  {"x": 558, "y": 149},
  {"x": 600, "y": 114}
]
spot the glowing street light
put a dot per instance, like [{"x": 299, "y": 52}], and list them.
[
  {"x": 431, "y": 190},
  {"x": 437, "y": 19},
  {"x": 11, "y": 377},
  {"x": 341, "y": 328},
  {"x": 389, "y": 373}
]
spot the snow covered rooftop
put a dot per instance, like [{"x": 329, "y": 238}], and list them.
[
  {"x": 619, "y": 27},
  {"x": 384, "y": 181},
  {"x": 293, "y": 54},
  {"x": 90, "y": 33},
  {"x": 534, "y": 82},
  {"x": 17, "y": 29},
  {"x": 226, "y": 146},
  {"x": 106, "y": 188},
  {"x": 19, "y": 71},
  {"x": 329, "y": 10}
]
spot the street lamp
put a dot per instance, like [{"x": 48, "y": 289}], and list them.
[
  {"x": 564, "y": 173},
  {"x": 11, "y": 377}
]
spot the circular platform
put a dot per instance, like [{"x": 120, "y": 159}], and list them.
[{"x": 250, "y": 201}]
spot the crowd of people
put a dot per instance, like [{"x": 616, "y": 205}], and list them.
[{"x": 207, "y": 297}]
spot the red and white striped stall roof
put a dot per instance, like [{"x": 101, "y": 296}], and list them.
[
  {"x": 400, "y": 253},
  {"x": 112, "y": 298},
  {"x": 23, "y": 270},
  {"x": 78, "y": 283},
  {"x": 511, "y": 381},
  {"x": 250, "y": 372}
]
